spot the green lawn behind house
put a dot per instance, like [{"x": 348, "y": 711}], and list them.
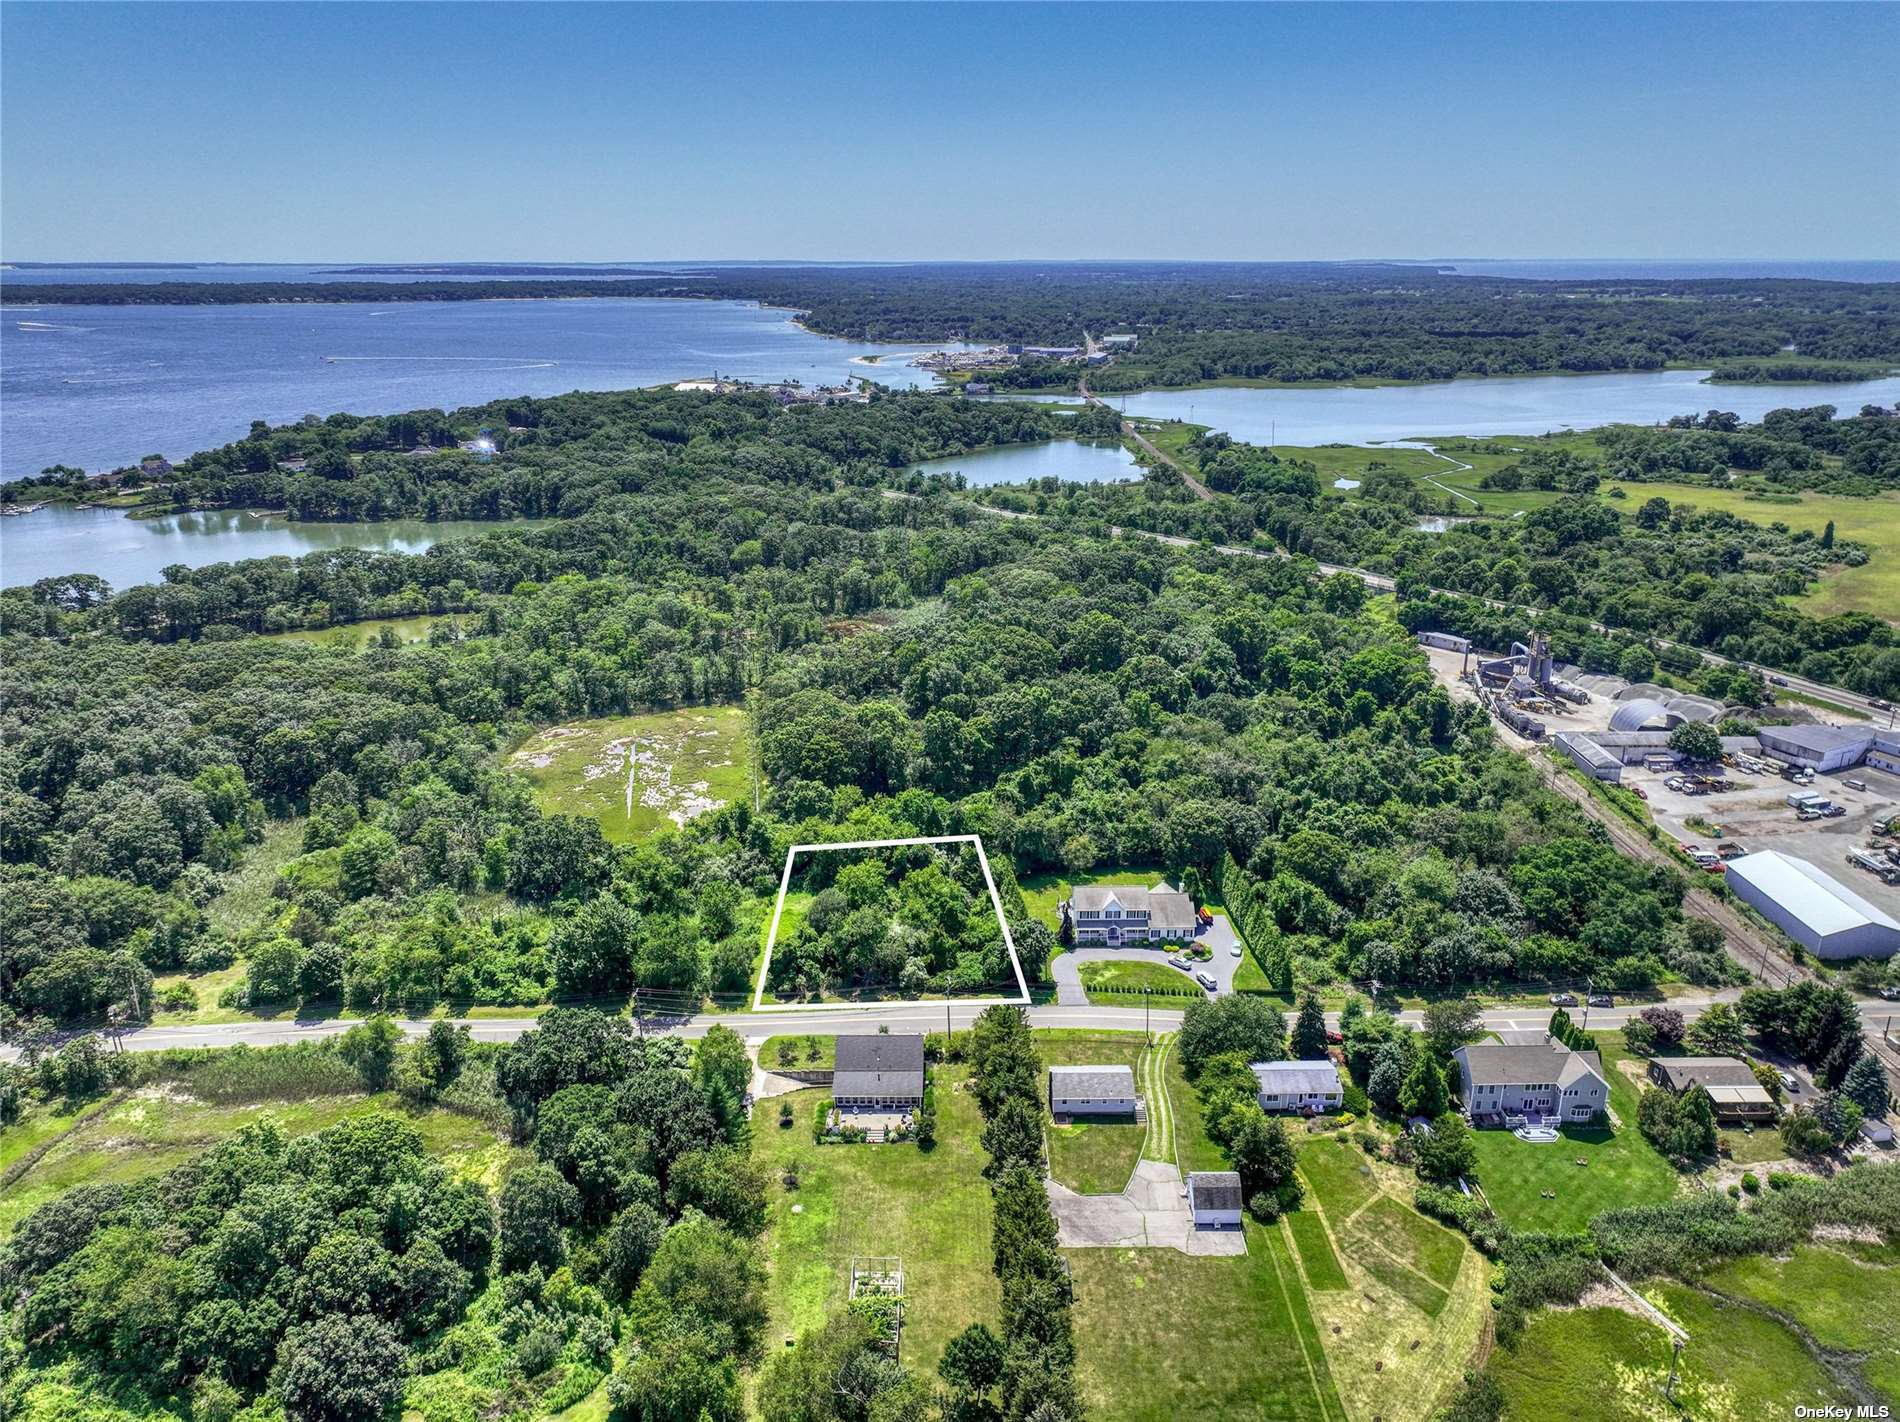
[{"x": 1093, "y": 1157}]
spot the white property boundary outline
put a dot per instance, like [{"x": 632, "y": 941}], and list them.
[{"x": 989, "y": 880}]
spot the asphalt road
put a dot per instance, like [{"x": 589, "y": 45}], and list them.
[{"x": 900, "y": 1018}]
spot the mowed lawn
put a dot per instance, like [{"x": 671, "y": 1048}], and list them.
[
  {"x": 1621, "y": 1168},
  {"x": 929, "y": 1208},
  {"x": 1163, "y": 1337},
  {"x": 1608, "y": 1365},
  {"x": 1093, "y": 1157},
  {"x": 1400, "y": 1300},
  {"x": 682, "y": 764},
  {"x": 1122, "y": 984}
]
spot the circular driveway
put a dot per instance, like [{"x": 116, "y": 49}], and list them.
[{"x": 1067, "y": 967}]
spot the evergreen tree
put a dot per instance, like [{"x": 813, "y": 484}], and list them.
[
  {"x": 1865, "y": 1084},
  {"x": 1309, "y": 1030},
  {"x": 1424, "y": 1093}
]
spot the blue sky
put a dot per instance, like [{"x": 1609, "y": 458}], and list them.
[{"x": 447, "y": 132}]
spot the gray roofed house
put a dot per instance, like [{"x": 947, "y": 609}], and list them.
[
  {"x": 1120, "y": 913},
  {"x": 1298, "y": 1086},
  {"x": 1730, "y": 1082},
  {"x": 1091, "y": 1090},
  {"x": 1214, "y": 1197},
  {"x": 879, "y": 1072},
  {"x": 1551, "y": 1083}
]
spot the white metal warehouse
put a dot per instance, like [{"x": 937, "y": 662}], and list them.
[{"x": 1823, "y": 915}]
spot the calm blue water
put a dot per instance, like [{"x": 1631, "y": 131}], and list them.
[
  {"x": 1521, "y": 405},
  {"x": 102, "y": 386},
  {"x": 1072, "y": 460},
  {"x": 127, "y": 551}
]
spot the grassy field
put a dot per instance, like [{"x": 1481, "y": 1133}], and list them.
[
  {"x": 930, "y": 1208},
  {"x": 1400, "y": 1299},
  {"x": 1608, "y": 1365},
  {"x": 1622, "y": 1168},
  {"x": 689, "y": 761},
  {"x": 1094, "y": 1157},
  {"x": 1848, "y": 1304},
  {"x": 363, "y": 635},
  {"x": 158, "y": 1128},
  {"x": 1164, "y": 1337}
]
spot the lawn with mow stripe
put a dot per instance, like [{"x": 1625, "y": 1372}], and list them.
[
  {"x": 1114, "y": 984},
  {"x": 1094, "y": 1157},
  {"x": 1323, "y": 1270}
]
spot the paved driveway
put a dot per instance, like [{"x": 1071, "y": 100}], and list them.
[
  {"x": 1149, "y": 1213},
  {"x": 1067, "y": 967}
]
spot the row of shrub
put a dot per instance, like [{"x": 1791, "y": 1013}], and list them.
[{"x": 1245, "y": 897}]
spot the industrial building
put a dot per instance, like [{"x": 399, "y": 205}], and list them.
[
  {"x": 1603, "y": 754},
  {"x": 1827, "y": 748},
  {"x": 1823, "y": 915}
]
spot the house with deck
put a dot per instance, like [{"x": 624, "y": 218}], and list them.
[
  {"x": 1311, "y": 1087},
  {"x": 879, "y": 1073},
  {"x": 1115, "y": 914},
  {"x": 1091, "y": 1091},
  {"x": 1546, "y": 1084}
]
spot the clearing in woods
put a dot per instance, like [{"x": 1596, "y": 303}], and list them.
[{"x": 638, "y": 774}]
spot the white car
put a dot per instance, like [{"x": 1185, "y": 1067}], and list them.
[
  {"x": 1182, "y": 964},
  {"x": 1206, "y": 981},
  {"x": 1234, "y": 952},
  {"x": 1788, "y": 1082}
]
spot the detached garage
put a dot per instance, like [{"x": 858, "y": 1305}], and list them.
[
  {"x": 1823, "y": 915},
  {"x": 1214, "y": 1199},
  {"x": 1091, "y": 1091}
]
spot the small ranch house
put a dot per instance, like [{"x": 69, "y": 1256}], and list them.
[
  {"x": 1115, "y": 914},
  {"x": 1091, "y": 1091},
  {"x": 1501, "y": 1085},
  {"x": 879, "y": 1072},
  {"x": 1214, "y": 1199},
  {"x": 1299, "y": 1086},
  {"x": 1732, "y": 1087}
]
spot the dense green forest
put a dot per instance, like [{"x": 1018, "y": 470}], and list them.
[
  {"x": 1651, "y": 570},
  {"x": 916, "y": 667},
  {"x": 1222, "y": 320}
]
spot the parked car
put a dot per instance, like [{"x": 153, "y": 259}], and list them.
[
  {"x": 1834, "y": 812},
  {"x": 1206, "y": 980},
  {"x": 1855, "y": 784},
  {"x": 1807, "y": 812},
  {"x": 1181, "y": 963},
  {"x": 1788, "y": 1082},
  {"x": 1334, "y": 1038},
  {"x": 1641, "y": 793},
  {"x": 1563, "y": 999},
  {"x": 1891, "y": 994},
  {"x": 1234, "y": 952},
  {"x": 1602, "y": 999},
  {"x": 1778, "y": 681}
]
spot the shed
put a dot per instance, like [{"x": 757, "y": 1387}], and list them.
[
  {"x": 1823, "y": 915},
  {"x": 1214, "y": 1199},
  {"x": 1091, "y": 1091}
]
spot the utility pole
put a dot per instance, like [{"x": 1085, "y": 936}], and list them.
[
  {"x": 1675, "y": 1368},
  {"x": 1147, "y": 1004},
  {"x": 638, "y": 1021}
]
